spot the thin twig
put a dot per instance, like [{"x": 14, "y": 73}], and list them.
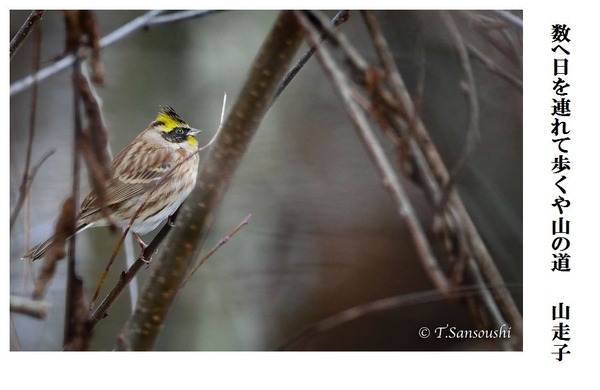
[
  {"x": 22, "y": 194},
  {"x": 410, "y": 113},
  {"x": 21, "y": 35},
  {"x": 178, "y": 16},
  {"x": 469, "y": 88},
  {"x": 141, "y": 22},
  {"x": 433, "y": 162},
  {"x": 493, "y": 67},
  {"x": 472, "y": 136},
  {"x": 428, "y": 161},
  {"x": 220, "y": 128},
  {"x": 125, "y": 278},
  {"x": 93, "y": 147},
  {"x": 389, "y": 178},
  {"x": 221, "y": 242},
  {"x": 339, "y": 18},
  {"x": 487, "y": 296},
  {"x": 130, "y": 258},
  {"x": 27, "y": 176},
  {"x": 379, "y": 305},
  {"x": 104, "y": 275},
  {"x": 115, "y": 36},
  {"x": 172, "y": 264},
  {"x": 129, "y": 250},
  {"x": 446, "y": 220},
  {"x": 167, "y": 176},
  {"x": 64, "y": 228},
  {"x": 498, "y": 34},
  {"x": 510, "y": 18},
  {"x": 146, "y": 253}
]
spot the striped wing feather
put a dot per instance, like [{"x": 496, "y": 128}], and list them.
[{"x": 129, "y": 180}]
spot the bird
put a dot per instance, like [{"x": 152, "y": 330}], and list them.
[{"x": 159, "y": 167}]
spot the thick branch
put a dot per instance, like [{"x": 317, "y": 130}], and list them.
[{"x": 197, "y": 213}]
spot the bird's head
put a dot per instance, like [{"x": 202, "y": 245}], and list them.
[{"x": 174, "y": 129}]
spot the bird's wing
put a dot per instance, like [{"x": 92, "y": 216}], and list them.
[{"x": 131, "y": 180}]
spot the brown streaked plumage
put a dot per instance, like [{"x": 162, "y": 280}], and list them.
[{"x": 166, "y": 148}]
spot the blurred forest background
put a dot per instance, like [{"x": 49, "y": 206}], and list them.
[{"x": 325, "y": 235}]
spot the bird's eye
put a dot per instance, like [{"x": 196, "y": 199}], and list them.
[{"x": 179, "y": 131}]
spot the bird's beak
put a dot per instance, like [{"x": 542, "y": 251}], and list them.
[{"x": 193, "y": 131}]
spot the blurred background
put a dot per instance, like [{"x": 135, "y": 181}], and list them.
[{"x": 325, "y": 235}]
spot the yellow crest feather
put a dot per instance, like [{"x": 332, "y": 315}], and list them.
[{"x": 170, "y": 118}]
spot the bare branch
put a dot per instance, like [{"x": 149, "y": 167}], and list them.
[
  {"x": 428, "y": 161},
  {"x": 27, "y": 175},
  {"x": 81, "y": 31},
  {"x": 379, "y": 305},
  {"x": 339, "y": 18},
  {"x": 221, "y": 242},
  {"x": 127, "y": 277},
  {"x": 21, "y": 35},
  {"x": 115, "y": 36},
  {"x": 216, "y": 173},
  {"x": 388, "y": 176},
  {"x": 65, "y": 227},
  {"x": 470, "y": 90},
  {"x": 149, "y": 252},
  {"x": 432, "y": 160},
  {"x": 93, "y": 146},
  {"x": 510, "y": 17},
  {"x": 76, "y": 333},
  {"x": 141, "y": 22},
  {"x": 178, "y": 16},
  {"x": 31, "y": 307},
  {"x": 23, "y": 193},
  {"x": 494, "y": 68}
]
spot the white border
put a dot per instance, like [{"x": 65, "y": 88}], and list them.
[{"x": 417, "y": 370}]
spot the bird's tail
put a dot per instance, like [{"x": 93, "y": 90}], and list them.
[{"x": 39, "y": 251}]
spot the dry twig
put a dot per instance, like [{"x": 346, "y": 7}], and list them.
[
  {"x": 115, "y": 36},
  {"x": 386, "y": 171},
  {"x": 431, "y": 169},
  {"x": 338, "y": 19},
  {"x": 76, "y": 334},
  {"x": 216, "y": 173},
  {"x": 141, "y": 22},
  {"x": 65, "y": 227},
  {"x": 221, "y": 242},
  {"x": 379, "y": 305},
  {"x": 21, "y": 35},
  {"x": 150, "y": 250}
]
